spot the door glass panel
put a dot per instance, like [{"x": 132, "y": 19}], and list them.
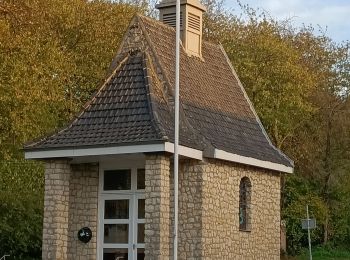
[
  {"x": 141, "y": 209},
  {"x": 115, "y": 254},
  {"x": 141, "y": 233},
  {"x": 140, "y": 254},
  {"x": 123, "y": 214},
  {"x": 116, "y": 233},
  {"x": 117, "y": 180},
  {"x": 116, "y": 209},
  {"x": 140, "y": 179}
]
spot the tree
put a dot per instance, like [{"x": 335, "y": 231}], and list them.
[{"x": 53, "y": 55}]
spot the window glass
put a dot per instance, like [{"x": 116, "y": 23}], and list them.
[
  {"x": 117, "y": 180},
  {"x": 141, "y": 233},
  {"x": 113, "y": 254},
  {"x": 140, "y": 254},
  {"x": 116, "y": 233},
  {"x": 116, "y": 209},
  {"x": 141, "y": 209},
  {"x": 140, "y": 179},
  {"x": 244, "y": 204}
]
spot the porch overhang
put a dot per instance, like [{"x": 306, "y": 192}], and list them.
[
  {"x": 112, "y": 150},
  {"x": 79, "y": 152}
]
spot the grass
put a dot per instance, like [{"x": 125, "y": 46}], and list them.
[{"x": 321, "y": 253}]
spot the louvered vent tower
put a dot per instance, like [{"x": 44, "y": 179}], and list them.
[{"x": 191, "y": 22}]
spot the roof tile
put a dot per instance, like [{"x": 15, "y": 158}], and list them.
[{"x": 136, "y": 104}]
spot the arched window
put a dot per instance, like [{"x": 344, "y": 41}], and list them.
[{"x": 244, "y": 204}]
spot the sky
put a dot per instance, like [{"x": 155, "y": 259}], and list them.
[{"x": 333, "y": 16}]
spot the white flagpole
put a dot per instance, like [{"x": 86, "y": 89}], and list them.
[
  {"x": 177, "y": 116},
  {"x": 308, "y": 230}
]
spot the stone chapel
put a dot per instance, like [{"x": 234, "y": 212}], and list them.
[{"x": 108, "y": 177}]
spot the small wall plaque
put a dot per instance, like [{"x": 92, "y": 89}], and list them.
[{"x": 85, "y": 235}]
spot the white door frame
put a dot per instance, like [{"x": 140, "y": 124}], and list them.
[{"x": 133, "y": 195}]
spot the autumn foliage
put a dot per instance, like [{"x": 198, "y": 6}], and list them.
[{"x": 55, "y": 53}]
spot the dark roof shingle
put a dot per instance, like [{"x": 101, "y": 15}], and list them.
[
  {"x": 136, "y": 104},
  {"x": 213, "y": 101},
  {"x": 119, "y": 113}
]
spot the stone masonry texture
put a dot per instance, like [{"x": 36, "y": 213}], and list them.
[
  {"x": 83, "y": 210},
  {"x": 208, "y": 210},
  {"x": 190, "y": 210},
  {"x": 56, "y": 214},
  {"x": 71, "y": 199},
  {"x": 157, "y": 207},
  {"x": 221, "y": 238}
]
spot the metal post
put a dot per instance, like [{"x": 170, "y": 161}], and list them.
[
  {"x": 177, "y": 116},
  {"x": 308, "y": 230}
]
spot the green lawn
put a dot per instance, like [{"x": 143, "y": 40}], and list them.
[
  {"x": 323, "y": 254},
  {"x": 317, "y": 257}
]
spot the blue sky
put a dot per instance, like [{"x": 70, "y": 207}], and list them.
[{"x": 332, "y": 15}]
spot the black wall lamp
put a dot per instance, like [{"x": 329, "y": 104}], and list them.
[{"x": 85, "y": 235}]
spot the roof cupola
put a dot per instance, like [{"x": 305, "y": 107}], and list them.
[{"x": 191, "y": 22}]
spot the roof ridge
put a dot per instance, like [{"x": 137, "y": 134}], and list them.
[
  {"x": 116, "y": 58},
  {"x": 151, "y": 103},
  {"x": 150, "y": 44},
  {"x": 168, "y": 27},
  {"x": 155, "y": 21}
]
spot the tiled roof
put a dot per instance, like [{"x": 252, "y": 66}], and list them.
[
  {"x": 119, "y": 113},
  {"x": 213, "y": 101},
  {"x": 136, "y": 103}
]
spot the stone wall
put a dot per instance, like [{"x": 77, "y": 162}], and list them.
[
  {"x": 157, "y": 207},
  {"x": 56, "y": 203},
  {"x": 221, "y": 236},
  {"x": 160, "y": 202},
  {"x": 190, "y": 209},
  {"x": 83, "y": 201},
  {"x": 209, "y": 211},
  {"x": 208, "y": 208},
  {"x": 71, "y": 196}
]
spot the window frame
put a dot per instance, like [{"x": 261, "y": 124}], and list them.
[
  {"x": 244, "y": 206},
  {"x": 134, "y": 195}
]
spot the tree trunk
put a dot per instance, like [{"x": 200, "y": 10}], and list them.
[{"x": 325, "y": 234}]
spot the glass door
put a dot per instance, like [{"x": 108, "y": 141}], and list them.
[
  {"x": 116, "y": 227},
  {"x": 122, "y": 215},
  {"x": 140, "y": 228}
]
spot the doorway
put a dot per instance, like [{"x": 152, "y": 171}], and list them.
[{"x": 121, "y": 214}]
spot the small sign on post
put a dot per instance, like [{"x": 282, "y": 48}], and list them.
[{"x": 308, "y": 224}]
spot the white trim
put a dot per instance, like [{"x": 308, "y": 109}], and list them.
[
  {"x": 220, "y": 154},
  {"x": 165, "y": 147},
  {"x": 115, "y": 150},
  {"x": 185, "y": 151}
]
